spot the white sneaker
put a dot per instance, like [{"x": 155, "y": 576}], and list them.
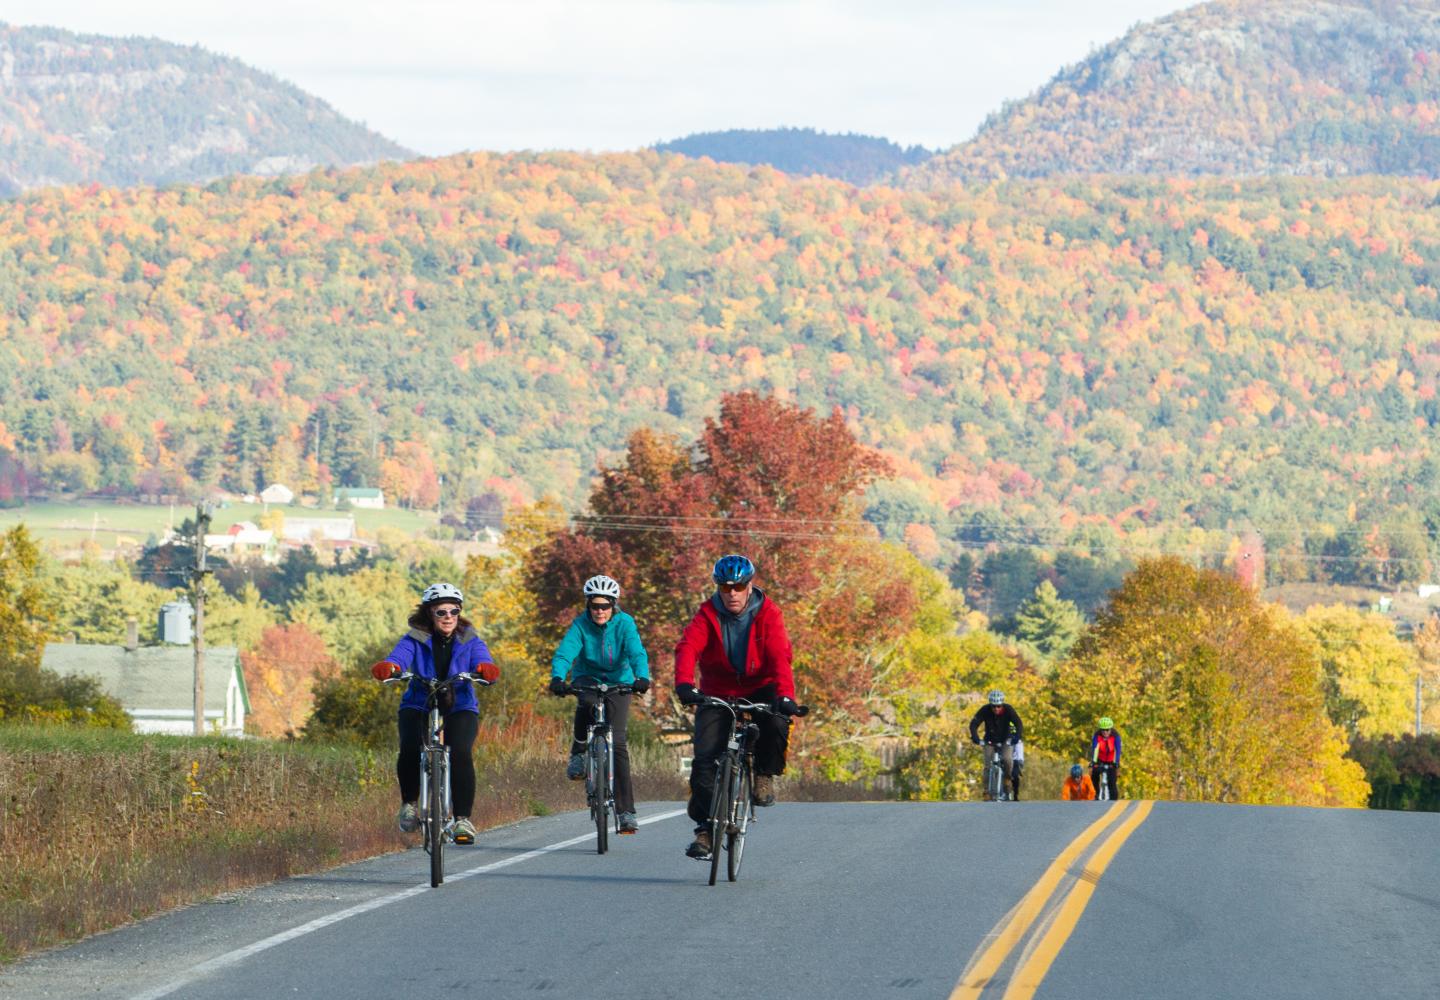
[
  {"x": 463, "y": 831},
  {"x": 408, "y": 819}
]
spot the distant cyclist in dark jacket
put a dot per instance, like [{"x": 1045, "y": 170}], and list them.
[
  {"x": 1105, "y": 749},
  {"x": 1003, "y": 730},
  {"x": 738, "y": 642}
]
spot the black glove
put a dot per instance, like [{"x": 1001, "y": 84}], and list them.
[
  {"x": 557, "y": 685},
  {"x": 786, "y": 706},
  {"x": 641, "y": 685},
  {"x": 975, "y": 740},
  {"x": 1014, "y": 740},
  {"x": 688, "y": 695}
]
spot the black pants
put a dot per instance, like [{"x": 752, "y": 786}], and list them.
[
  {"x": 459, "y": 735},
  {"x": 617, "y": 714},
  {"x": 1098, "y": 774},
  {"x": 712, "y": 728}
]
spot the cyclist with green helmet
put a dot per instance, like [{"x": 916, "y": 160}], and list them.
[
  {"x": 604, "y": 644},
  {"x": 1105, "y": 755}
]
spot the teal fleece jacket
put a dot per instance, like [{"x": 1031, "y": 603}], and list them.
[{"x": 613, "y": 654}]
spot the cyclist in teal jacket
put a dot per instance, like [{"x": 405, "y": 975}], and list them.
[{"x": 603, "y": 644}]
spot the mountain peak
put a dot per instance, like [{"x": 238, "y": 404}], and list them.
[
  {"x": 1235, "y": 87},
  {"x": 121, "y": 111}
]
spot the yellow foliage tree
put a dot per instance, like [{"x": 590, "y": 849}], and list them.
[
  {"x": 1219, "y": 696},
  {"x": 1369, "y": 673}
]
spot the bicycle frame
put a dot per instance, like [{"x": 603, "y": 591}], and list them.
[
  {"x": 734, "y": 782},
  {"x": 995, "y": 779},
  {"x": 1105, "y": 770},
  {"x": 435, "y": 811},
  {"x": 600, "y": 787}
]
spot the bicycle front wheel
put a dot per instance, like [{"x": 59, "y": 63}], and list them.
[
  {"x": 740, "y": 811},
  {"x": 435, "y": 824},
  {"x": 600, "y": 805},
  {"x": 719, "y": 812}
]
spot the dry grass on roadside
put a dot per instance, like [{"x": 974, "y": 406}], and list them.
[{"x": 103, "y": 828}]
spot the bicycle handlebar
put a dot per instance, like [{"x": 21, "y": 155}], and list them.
[
  {"x": 432, "y": 685},
  {"x": 744, "y": 705},
  {"x": 600, "y": 687}
]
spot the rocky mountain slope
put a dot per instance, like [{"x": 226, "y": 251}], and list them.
[
  {"x": 123, "y": 111},
  {"x": 1235, "y": 88}
]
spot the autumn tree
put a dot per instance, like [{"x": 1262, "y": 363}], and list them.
[
  {"x": 1219, "y": 696},
  {"x": 1369, "y": 674},
  {"x": 771, "y": 480},
  {"x": 280, "y": 674},
  {"x": 27, "y": 620}
]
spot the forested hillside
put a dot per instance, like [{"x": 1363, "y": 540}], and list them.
[
  {"x": 1234, "y": 88},
  {"x": 1039, "y": 360},
  {"x": 859, "y": 159},
  {"x": 80, "y": 108}
]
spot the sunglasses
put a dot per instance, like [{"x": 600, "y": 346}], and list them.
[
  {"x": 600, "y": 606},
  {"x": 446, "y": 612},
  {"x": 735, "y": 588}
]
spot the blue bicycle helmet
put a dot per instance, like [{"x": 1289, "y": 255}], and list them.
[
  {"x": 733, "y": 569},
  {"x": 1075, "y": 771}
]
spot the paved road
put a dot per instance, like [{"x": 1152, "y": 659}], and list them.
[{"x": 835, "y": 901}]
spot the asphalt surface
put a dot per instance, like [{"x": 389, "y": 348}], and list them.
[{"x": 835, "y": 901}]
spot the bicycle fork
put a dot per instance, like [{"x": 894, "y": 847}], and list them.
[{"x": 423, "y": 806}]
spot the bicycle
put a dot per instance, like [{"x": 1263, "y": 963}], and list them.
[
  {"x": 600, "y": 762},
  {"x": 1104, "y": 773},
  {"x": 433, "y": 808},
  {"x": 996, "y": 789},
  {"x": 732, "y": 804}
]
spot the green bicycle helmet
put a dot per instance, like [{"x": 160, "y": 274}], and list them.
[{"x": 1106, "y": 722}]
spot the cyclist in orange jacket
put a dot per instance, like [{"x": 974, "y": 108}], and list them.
[{"x": 1077, "y": 787}]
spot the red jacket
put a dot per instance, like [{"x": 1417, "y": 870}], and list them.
[{"x": 767, "y": 662}]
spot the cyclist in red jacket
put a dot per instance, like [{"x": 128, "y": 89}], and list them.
[
  {"x": 738, "y": 640},
  {"x": 1105, "y": 756}
]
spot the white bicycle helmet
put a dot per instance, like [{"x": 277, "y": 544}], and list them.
[
  {"x": 602, "y": 586},
  {"x": 996, "y": 697},
  {"x": 442, "y": 592}
]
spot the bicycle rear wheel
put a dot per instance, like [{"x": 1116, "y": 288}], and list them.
[
  {"x": 435, "y": 823},
  {"x": 719, "y": 812},
  {"x": 599, "y": 803},
  {"x": 740, "y": 811}
]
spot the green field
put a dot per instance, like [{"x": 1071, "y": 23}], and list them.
[{"x": 113, "y": 525}]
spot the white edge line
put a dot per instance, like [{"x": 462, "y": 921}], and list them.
[{"x": 319, "y": 923}]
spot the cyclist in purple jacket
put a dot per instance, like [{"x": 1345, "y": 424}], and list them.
[{"x": 440, "y": 642}]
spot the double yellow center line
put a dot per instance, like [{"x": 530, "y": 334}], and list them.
[{"x": 1012, "y": 929}]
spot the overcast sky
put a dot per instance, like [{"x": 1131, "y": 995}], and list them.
[{"x": 441, "y": 76}]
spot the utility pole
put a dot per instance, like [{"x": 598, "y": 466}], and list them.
[
  {"x": 197, "y": 585},
  {"x": 1417, "y": 704}
]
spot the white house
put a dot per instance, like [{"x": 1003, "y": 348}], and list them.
[
  {"x": 155, "y": 684},
  {"x": 243, "y": 538},
  {"x": 277, "y": 493},
  {"x": 366, "y": 497},
  {"x": 318, "y": 529}
]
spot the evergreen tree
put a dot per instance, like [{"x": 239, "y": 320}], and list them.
[{"x": 1048, "y": 622}]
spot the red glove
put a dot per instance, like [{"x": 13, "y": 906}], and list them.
[
  {"x": 384, "y": 670},
  {"x": 488, "y": 672}
]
